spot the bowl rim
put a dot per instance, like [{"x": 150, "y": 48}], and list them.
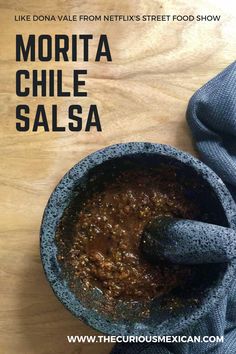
[{"x": 60, "y": 196}]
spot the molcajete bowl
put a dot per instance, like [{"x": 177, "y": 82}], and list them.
[{"x": 161, "y": 321}]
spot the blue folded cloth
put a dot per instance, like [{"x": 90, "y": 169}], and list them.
[{"x": 211, "y": 115}]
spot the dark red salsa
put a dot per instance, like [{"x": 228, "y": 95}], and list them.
[{"x": 98, "y": 239}]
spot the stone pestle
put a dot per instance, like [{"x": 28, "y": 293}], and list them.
[{"x": 187, "y": 242}]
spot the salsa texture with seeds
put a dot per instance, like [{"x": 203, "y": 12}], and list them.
[{"x": 99, "y": 239}]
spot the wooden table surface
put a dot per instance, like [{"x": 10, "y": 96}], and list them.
[{"x": 142, "y": 96}]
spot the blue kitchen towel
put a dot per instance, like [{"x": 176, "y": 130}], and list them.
[{"x": 211, "y": 115}]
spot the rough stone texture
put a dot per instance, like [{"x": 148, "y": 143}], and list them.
[
  {"x": 188, "y": 241},
  {"x": 60, "y": 199}
]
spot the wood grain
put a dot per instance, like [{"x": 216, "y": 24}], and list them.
[{"x": 142, "y": 96}]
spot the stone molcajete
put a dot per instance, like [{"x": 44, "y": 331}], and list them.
[{"x": 201, "y": 186}]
